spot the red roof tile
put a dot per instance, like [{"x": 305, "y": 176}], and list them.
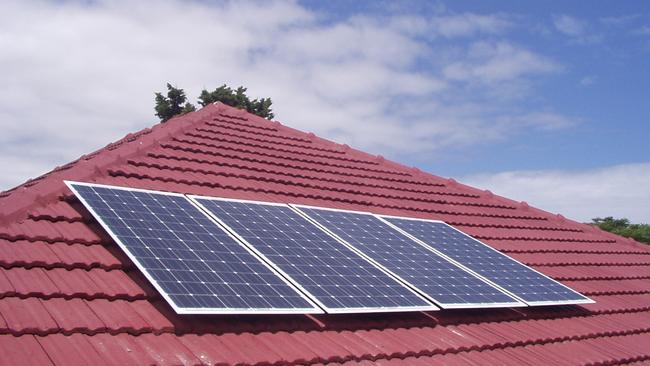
[
  {"x": 70, "y": 350},
  {"x": 74, "y": 316},
  {"x": 22, "y": 350},
  {"x": 69, "y": 295}
]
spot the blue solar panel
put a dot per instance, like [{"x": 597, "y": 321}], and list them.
[
  {"x": 336, "y": 277},
  {"x": 432, "y": 275},
  {"x": 529, "y": 285},
  {"x": 195, "y": 265}
]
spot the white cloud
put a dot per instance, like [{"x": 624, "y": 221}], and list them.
[
  {"x": 578, "y": 30},
  {"x": 468, "y": 24},
  {"x": 642, "y": 31},
  {"x": 620, "y": 20},
  {"x": 77, "y": 75},
  {"x": 619, "y": 191},
  {"x": 588, "y": 80},
  {"x": 569, "y": 25},
  {"x": 494, "y": 62},
  {"x": 545, "y": 121}
]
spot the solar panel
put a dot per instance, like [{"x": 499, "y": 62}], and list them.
[
  {"x": 430, "y": 274},
  {"x": 195, "y": 265},
  {"x": 522, "y": 281},
  {"x": 337, "y": 278}
]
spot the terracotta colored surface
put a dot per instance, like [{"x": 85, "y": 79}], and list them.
[{"x": 69, "y": 296}]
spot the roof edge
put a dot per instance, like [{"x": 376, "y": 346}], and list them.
[{"x": 47, "y": 188}]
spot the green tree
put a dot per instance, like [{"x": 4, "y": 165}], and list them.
[
  {"x": 237, "y": 98},
  {"x": 173, "y": 104},
  {"x": 623, "y": 227}
]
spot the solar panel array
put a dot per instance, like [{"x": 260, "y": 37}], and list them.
[
  {"x": 336, "y": 277},
  {"x": 211, "y": 255},
  {"x": 527, "y": 284},
  {"x": 429, "y": 273},
  {"x": 194, "y": 263}
]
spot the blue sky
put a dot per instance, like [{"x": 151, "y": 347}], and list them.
[
  {"x": 603, "y": 50},
  {"x": 539, "y": 101}
]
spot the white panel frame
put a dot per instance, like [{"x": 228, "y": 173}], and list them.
[
  {"x": 179, "y": 309},
  {"x": 514, "y": 303},
  {"x": 529, "y": 303},
  {"x": 195, "y": 199}
]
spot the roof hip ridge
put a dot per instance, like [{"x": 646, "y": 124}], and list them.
[{"x": 44, "y": 189}]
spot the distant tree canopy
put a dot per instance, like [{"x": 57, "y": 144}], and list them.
[
  {"x": 237, "y": 98},
  {"x": 623, "y": 227},
  {"x": 175, "y": 102}
]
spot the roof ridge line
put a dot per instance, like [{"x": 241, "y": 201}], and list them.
[
  {"x": 37, "y": 192},
  {"x": 556, "y": 218}
]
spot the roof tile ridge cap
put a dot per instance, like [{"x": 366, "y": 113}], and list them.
[
  {"x": 586, "y": 228},
  {"x": 620, "y": 240},
  {"x": 557, "y": 219},
  {"x": 308, "y": 135},
  {"x": 93, "y": 165},
  {"x": 312, "y": 137},
  {"x": 347, "y": 149},
  {"x": 486, "y": 194},
  {"x": 411, "y": 171},
  {"x": 251, "y": 117},
  {"x": 519, "y": 205}
]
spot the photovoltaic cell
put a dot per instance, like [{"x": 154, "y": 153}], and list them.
[
  {"x": 336, "y": 277},
  {"x": 196, "y": 265},
  {"x": 432, "y": 275},
  {"x": 527, "y": 284}
]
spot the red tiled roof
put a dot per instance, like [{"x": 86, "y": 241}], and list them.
[{"x": 68, "y": 295}]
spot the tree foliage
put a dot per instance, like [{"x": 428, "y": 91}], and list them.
[
  {"x": 237, "y": 98},
  {"x": 175, "y": 102},
  {"x": 623, "y": 227}
]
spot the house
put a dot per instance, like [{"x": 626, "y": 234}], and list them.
[{"x": 68, "y": 295}]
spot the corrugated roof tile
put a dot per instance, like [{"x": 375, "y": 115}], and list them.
[
  {"x": 31, "y": 282},
  {"x": 210, "y": 350},
  {"x": 25, "y": 253},
  {"x": 120, "y": 350},
  {"x": 84, "y": 256},
  {"x": 26, "y": 316},
  {"x": 119, "y": 316},
  {"x": 73, "y": 316},
  {"x": 166, "y": 349},
  {"x": 75, "y": 282},
  {"x": 152, "y": 315},
  {"x": 6, "y": 288},
  {"x": 70, "y": 350},
  {"x": 115, "y": 283},
  {"x": 22, "y": 350}
]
